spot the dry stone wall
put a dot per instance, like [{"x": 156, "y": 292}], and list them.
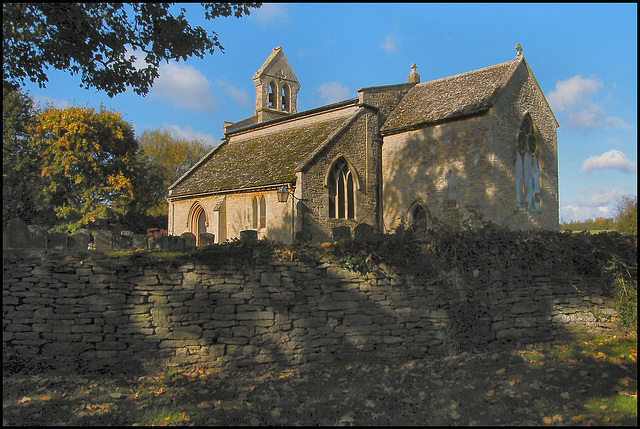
[{"x": 86, "y": 310}]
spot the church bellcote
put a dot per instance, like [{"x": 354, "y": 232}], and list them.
[{"x": 276, "y": 88}]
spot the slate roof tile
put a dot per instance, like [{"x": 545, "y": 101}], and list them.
[
  {"x": 450, "y": 97},
  {"x": 261, "y": 157}
]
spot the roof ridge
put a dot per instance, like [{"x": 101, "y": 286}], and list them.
[{"x": 469, "y": 72}]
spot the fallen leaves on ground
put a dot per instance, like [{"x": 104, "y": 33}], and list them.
[{"x": 575, "y": 386}]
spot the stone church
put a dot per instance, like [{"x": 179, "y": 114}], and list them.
[{"x": 395, "y": 154}]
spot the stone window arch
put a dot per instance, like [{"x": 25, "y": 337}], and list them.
[
  {"x": 341, "y": 188},
  {"x": 254, "y": 213},
  {"x": 263, "y": 212},
  {"x": 452, "y": 189},
  {"x": 258, "y": 212},
  {"x": 286, "y": 98},
  {"x": 527, "y": 168}
]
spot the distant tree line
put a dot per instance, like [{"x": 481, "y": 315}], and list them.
[
  {"x": 625, "y": 219},
  {"x": 82, "y": 167}
]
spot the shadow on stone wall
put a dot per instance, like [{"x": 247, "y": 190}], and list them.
[{"x": 253, "y": 303}]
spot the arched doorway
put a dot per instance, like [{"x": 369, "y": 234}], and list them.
[{"x": 198, "y": 222}]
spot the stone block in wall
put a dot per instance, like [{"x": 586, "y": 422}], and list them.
[
  {"x": 189, "y": 240},
  {"x": 121, "y": 242},
  {"x": 103, "y": 240},
  {"x": 56, "y": 240},
  {"x": 79, "y": 240},
  {"x": 37, "y": 236},
  {"x": 364, "y": 232},
  {"x": 249, "y": 236},
  {"x": 341, "y": 233},
  {"x": 139, "y": 241},
  {"x": 16, "y": 234},
  {"x": 206, "y": 239}
]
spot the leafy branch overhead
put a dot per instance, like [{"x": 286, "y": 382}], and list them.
[{"x": 100, "y": 41}]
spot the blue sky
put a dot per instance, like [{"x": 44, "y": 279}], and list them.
[{"x": 584, "y": 57}]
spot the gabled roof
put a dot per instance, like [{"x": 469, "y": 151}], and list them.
[
  {"x": 451, "y": 97},
  {"x": 264, "y": 155}
]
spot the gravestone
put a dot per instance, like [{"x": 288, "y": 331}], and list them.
[
  {"x": 122, "y": 242},
  {"x": 249, "y": 236},
  {"x": 159, "y": 242},
  {"x": 56, "y": 241},
  {"x": 37, "y": 236},
  {"x": 176, "y": 243},
  {"x": 341, "y": 233},
  {"x": 206, "y": 239},
  {"x": 189, "y": 240},
  {"x": 102, "y": 240},
  {"x": 17, "y": 234},
  {"x": 79, "y": 240},
  {"x": 364, "y": 232},
  {"x": 140, "y": 241}
]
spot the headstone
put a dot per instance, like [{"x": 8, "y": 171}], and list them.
[
  {"x": 341, "y": 233},
  {"x": 159, "y": 242},
  {"x": 304, "y": 236},
  {"x": 249, "y": 236},
  {"x": 37, "y": 236},
  {"x": 189, "y": 240},
  {"x": 205, "y": 239},
  {"x": 17, "y": 233},
  {"x": 56, "y": 241},
  {"x": 102, "y": 240},
  {"x": 176, "y": 243},
  {"x": 140, "y": 241},
  {"x": 122, "y": 242},
  {"x": 364, "y": 232},
  {"x": 79, "y": 240}
]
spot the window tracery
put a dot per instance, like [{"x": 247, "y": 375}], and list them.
[
  {"x": 341, "y": 191},
  {"x": 527, "y": 168}
]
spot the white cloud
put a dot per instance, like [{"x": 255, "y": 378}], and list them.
[
  {"x": 332, "y": 92},
  {"x": 183, "y": 86},
  {"x": 238, "y": 95},
  {"x": 48, "y": 101},
  {"x": 600, "y": 203},
  {"x": 571, "y": 91},
  {"x": 190, "y": 134},
  {"x": 613, "y": 159},
  {"x": 571, "y": 95},
  {"x": 270, "y": 13},
  {"x": 391, "y": 43}
]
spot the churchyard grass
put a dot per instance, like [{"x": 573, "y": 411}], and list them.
[{"x": 578, "y": 381}]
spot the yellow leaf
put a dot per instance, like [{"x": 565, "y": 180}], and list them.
[
  {"x": 203, "y": 404},
  {"x": 512, "y": 382},
  {"x": 565, "y": 395},
  {"x": 546, "y": 420},
  {"x": 623, "y": 381},
  {"x": 45, "y": 398},
  {"x": 491, "y": 392}
]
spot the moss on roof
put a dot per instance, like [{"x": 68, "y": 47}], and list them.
[
  {"x": 450, "y": 97},
  {"x": 260, "y": 157}
]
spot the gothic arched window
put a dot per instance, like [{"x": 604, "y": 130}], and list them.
[
  {"x": 263, "y": 212},
  {"x": 527, "y": 168},
  {"x": 341, "y": 190},
  {"x": 254, "y": 213}
]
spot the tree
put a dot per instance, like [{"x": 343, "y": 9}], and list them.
[
  {"x": 627, "y": 214},
  {"x": 87, "y": 160},
  {"x": 99, "y": 39},
  {"x": 170, "y": 157},
  {"x": 21, "y": 180}
]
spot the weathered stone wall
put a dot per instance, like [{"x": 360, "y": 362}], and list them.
[{"x": 87, "y": 310}]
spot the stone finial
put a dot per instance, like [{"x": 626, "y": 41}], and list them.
[
  {"x": 519, "y": 49},
  {"x": 414, "y": 77}
]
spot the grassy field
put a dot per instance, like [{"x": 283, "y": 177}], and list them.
[{"x": 592, "y": 380}]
